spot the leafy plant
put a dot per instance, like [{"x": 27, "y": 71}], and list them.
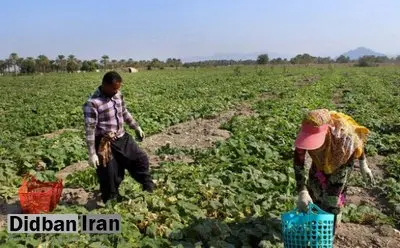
[
  {"x": 365, "y": 215},
  {"x": 86, "y": 179}
]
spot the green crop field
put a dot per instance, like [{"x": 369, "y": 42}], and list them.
[{"x": 233, "y": 194}]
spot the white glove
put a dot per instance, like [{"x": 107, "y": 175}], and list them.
[
  {"x": 366, "y": 172},
  {"x": 303, "y": 200},
  {"x": 94, "y": 160},
  {"x": 139, "y": 133}
]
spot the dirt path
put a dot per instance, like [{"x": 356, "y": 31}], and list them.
[
  {"x": 338, "y": 96},
  {"x": 361, "y": 236},
  {"x": 194, "y": 134}
]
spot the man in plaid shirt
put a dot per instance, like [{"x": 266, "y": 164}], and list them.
[{"x": 105, "y": 113}]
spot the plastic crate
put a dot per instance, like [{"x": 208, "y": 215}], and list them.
[
  {"x": 39, "y": 197},
  {"x": 311, "y": 229}
]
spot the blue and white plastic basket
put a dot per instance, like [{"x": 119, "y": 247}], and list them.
[{"x": 311, "y": 229}]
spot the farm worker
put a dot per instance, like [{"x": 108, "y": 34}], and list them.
[
  {"x": 334, "y": 141},
  {"x": 111, "y": 149}
]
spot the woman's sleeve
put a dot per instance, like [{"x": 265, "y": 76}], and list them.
[{"x": 300, "y": 171}]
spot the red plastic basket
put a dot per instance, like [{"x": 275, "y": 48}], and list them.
[{"x": 39, "y": 197}]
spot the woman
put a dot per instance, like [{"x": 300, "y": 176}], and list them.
[{"x": 334, "y": 141}]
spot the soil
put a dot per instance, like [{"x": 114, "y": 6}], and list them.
[
  {"x": 79, "y": 166},
  {"x": 361, "y": 236},
  {"x": 307, "y": 81},
  {"x": 368, "y": 236},
  {"x": 195, "y": 134},
  {"x": 58, "y": 132}
]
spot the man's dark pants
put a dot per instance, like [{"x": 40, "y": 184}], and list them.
[{"x": 126, "y": 155}]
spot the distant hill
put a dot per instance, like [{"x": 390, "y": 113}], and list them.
[{"x": 361, "y": 51}]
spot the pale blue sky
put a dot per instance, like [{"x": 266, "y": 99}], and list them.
[{"x": 185, "y": 28}]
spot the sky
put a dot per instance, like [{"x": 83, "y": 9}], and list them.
[{"x": 187, "y": 28}]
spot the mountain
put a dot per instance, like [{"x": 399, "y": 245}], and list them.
[
  {"x": 234, "y": 56},
  {"x": 362, "y": 51}
]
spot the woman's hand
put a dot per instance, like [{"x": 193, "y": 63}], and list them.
[
  {"x": 303, "y": 200},
  {"x": 366, "y": 172}
]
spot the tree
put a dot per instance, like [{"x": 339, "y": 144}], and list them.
[
  {"x": 42, "y": 63},
  {"x": 262, "y": 59},
  {"x": 323, "y": 60},
  {"x": 178, "y": 63},
  {"x": 3, "y": 66},
  {"x": 71, "y": 57},
  {"x": 365, "y": 61},
  {"x": 122, "y": 63},
  {"x": 95, "y": 62},
  {"x": 132, "y": 63},
  {"x": 343, "y": 59},
  {"x": 155, "y": 63},
  {"x": 114, "y": 63},
  {"x": 28, "y": 65},
  {"x": 19, "y": 62},
  {"x": 104, "y": 60},
  {"x": 61, "y": 62},
  {"x": 277, "y": 61},
  {"x": 72, "y": 66},
  {"x": 53, "y": 65},
  {"x": 13, "y": 58},
  {"x": 381, "y": 59},
  {"x": 88, "y": 66},
  {"x": 303, "y": 59},
  {"x": 172, "y": 62},
  {"x": 7, "y": 65}
]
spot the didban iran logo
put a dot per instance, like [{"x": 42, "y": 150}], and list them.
[{"x": 64, "y": 223}]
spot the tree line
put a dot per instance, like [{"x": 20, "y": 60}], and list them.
[
  {"x": 43, "y": 64},
  {"x": 300, "y": 59},
  {"x": 62, "y": 63}
]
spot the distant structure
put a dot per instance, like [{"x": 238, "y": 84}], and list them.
[
  {"x": 13, "y": 69},
  {"x": 132, "y": 70}
]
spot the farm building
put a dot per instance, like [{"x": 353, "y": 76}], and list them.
[{"x": 132, "y": 70}]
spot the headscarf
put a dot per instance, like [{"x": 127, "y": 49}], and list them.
[{"x": 344, "y": 138}]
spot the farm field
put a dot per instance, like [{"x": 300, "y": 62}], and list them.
[{"x": 221, "y": 144}]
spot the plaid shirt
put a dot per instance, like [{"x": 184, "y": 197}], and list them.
[{"x": 103, "y": 115}]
